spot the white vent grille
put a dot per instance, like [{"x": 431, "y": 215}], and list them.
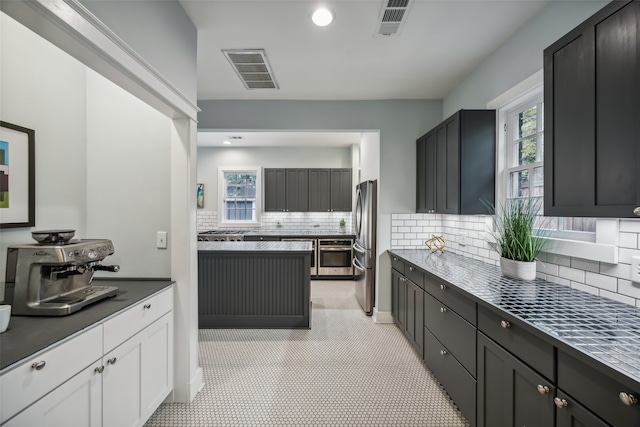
[
  {"x": 253, "y": 68},
  {"x": 393, "y": 15}
]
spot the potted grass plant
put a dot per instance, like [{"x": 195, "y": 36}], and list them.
[{"x": 516, "y": 240}]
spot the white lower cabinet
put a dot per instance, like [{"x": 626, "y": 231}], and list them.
[{"x": 121, "y": 389}]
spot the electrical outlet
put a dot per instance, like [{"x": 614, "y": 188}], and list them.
[
  {"x": 161, "y": 240},
  {"x": 462, "y": 238},
  {"x": 635, "y": 269}
]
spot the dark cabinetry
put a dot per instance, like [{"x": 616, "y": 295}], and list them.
[
  {"x": 592, "y": 105},
  {"x": 456, "y": 164},
  {"x": 301, "y": 190},
  {"x": 407, "y": 308},
  {"x": 330, "y": 190}
]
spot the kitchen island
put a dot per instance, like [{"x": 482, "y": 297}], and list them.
[{"x": 254, "y": 284}]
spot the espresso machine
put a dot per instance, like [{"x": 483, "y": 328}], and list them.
[{"x": 53, "y": 277}]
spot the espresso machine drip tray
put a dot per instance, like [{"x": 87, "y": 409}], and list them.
[{"x": 74, "y": 301}]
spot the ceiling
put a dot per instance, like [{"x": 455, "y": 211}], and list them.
[{"x": 438, "y": 45}]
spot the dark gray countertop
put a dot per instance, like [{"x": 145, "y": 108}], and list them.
[
  {"x": 311, "y": 232},
  {"x": 605, "y": 330},
  {"x": 26, "y": 335},
  {"x": 254, "y": 246}
]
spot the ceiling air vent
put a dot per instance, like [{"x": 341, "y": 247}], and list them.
[
  {"x": 252, "y": 67},
  {"x": 392, "y": 16}
]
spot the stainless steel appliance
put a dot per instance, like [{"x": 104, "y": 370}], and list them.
[
  {"x": 314, "y": 253},
  {"x": 364, "y": 247},
  {"x": 222, "y": 236},
  {"x": 334, "y": 257},
  {"x": 53, "y": 277}
]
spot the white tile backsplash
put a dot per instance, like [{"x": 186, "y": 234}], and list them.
[
  {"x": 607, "y": 280},
  {"x": 208, "y": 220}
]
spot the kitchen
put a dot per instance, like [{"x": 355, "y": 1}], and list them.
[{"x": 398, "y": 134}]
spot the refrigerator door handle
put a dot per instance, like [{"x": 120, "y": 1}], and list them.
[
  {"x": 356, "y": 264},
  {"x": 358, "y": 248}
]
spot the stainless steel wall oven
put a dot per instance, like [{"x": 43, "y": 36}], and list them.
[{"x": 334, "y": 257}]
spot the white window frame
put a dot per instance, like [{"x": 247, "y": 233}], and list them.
[
  {"x": 605, "y": 246},
  {"x": 222, "y": 221}
]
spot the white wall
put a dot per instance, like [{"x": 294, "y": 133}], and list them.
[{"x": 92, "y": 142}]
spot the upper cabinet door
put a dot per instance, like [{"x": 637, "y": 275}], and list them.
[
  {"x": 297, "y": 190},
  {"x": 341, "y": 190},
  {"x": 592, "y": 111},
  {"x": 275, "y": 197},
  {"x": 319, "y": 190}
]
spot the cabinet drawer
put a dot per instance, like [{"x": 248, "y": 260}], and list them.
[
  {"x": 597, "y": 390},
  {"x": 460, "y": 385},
  {"x": 23, "y": 385},
  {"x": 397, "y": 263},
  {"x": 414, "y": 274},
  {"x": 458, "y": 335},
  {"x": 136, "y": 318},
  {"x": 459, "y": 303},
  {"x": 510, "y": 334}
]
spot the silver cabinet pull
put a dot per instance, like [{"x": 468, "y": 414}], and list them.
[
  {"x": 443, "y": 352},
  {"x": 442, "y": 309},
  {"x": 443, "y": 287},
  {"x": 147, "y": 306},
  {"x": 636, "y": 211},
  {"x": 560, "y": 403},
  {"x": 412, "y": 269},
  {"x": 112, "y": 361},
  {"x": 395, "y": 259},
  {"x": 99, "y": 369},
  {"x": 543, "y": 389},
  {"x": 628, "y": 399},
  {"x": 38, "y": 366},
  {"x": 505, "y": 324}
]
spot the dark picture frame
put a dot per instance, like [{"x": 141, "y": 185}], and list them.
[{"x": 17, "y": 176}]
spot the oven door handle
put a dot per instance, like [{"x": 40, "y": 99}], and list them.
[
  {"x": 358, "y": 248},
  {"x": 356, "y": 264},
  {"x": 334, "y": 249}
]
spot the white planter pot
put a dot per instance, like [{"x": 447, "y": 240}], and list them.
[{"x": 518, "y": 269}]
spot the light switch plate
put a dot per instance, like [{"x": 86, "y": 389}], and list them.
[
  {"x": 161, "y": 240},
  {"x": 635, "y": 269}
]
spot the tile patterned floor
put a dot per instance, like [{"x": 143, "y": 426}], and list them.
[{"x": 345, "y": 371}]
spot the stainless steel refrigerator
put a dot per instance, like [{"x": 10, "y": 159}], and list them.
[{"x": 364, "y": 247}]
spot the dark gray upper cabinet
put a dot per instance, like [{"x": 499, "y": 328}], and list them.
[
  {"x": 456, "y": 164},
  {"x": 301, "y": 190},
  {"x": 330, "y": 190},
  {"x": 592, "y": 110}
]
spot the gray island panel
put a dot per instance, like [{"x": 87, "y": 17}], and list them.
[{"x": 254, "y": 284}]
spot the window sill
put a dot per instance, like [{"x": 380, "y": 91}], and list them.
[{"x": 585, "y": 250}]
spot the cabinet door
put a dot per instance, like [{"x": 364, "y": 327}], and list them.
[
  {"x": 509, "y": 392},
  {"x": 297, "y": 190},
  {"x": 341, "y": 190},
  {"x": 396, "y": 284},
  {"x": 451, "y": 165},
  {"x": 415, "y": 314},
  {"x": 275, "y": 197},
  {"x": 571, "y": 414},
  {"x": 592, "y": 105},
  {"x": 319, "y": 190},
  {"x": 157, "y": 364},
  {"x": 440, "y": 168},
  {"x": 77, "y": 402},
  {"x": 421, "y": 175}
]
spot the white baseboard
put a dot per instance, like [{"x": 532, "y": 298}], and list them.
[{"x": 381, "y": 316}]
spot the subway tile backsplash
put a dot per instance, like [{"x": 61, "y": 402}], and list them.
[
  {"x": 410, "y": 231},
  {"x": 208, "y": 220}
]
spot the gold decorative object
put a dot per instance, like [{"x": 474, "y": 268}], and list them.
[{"x": 436, "y": 243}]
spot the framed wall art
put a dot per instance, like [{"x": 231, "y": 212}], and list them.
[
  {"x": 200, "y": 196},
  {"x": 17, "y": 176}
]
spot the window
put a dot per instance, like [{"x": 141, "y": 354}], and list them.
[
  {"x": 524, "y": 172},
  {"x": 240, "y": 196}
]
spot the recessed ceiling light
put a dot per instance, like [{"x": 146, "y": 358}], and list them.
[
  {"x": 322, "y": 16},
  {"x": 226, "y": 142}
]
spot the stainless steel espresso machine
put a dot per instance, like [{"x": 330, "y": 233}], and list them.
[{"x": 53, "y": 277}]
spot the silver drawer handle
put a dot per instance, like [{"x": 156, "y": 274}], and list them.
[
  {"x": 560, "y": 403},
  {"x": 505, "y": 324},
  {"x": 443, "y": 287},
  {"x": 99, "y": 369},
  {"x": 636, "y": 211},
  {"x": 395, "y": 259},
  {"x": 443, "y": 352},
  {"x": 112, "y": 361},
  {"x": 543, "y": 389},
  {"x": 628, "y": 399},
  {"x": 38, "y": 366},
  {"x": 442, "y": 309},
  {"x": 147, "y": 306},
  {"x": 412, "y": 269}
]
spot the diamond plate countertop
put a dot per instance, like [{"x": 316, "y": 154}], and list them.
[
  {"x": 606, "y": 330},
  {"x": 254, "y": 246},
  {"x": 313, "y": 232}
]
